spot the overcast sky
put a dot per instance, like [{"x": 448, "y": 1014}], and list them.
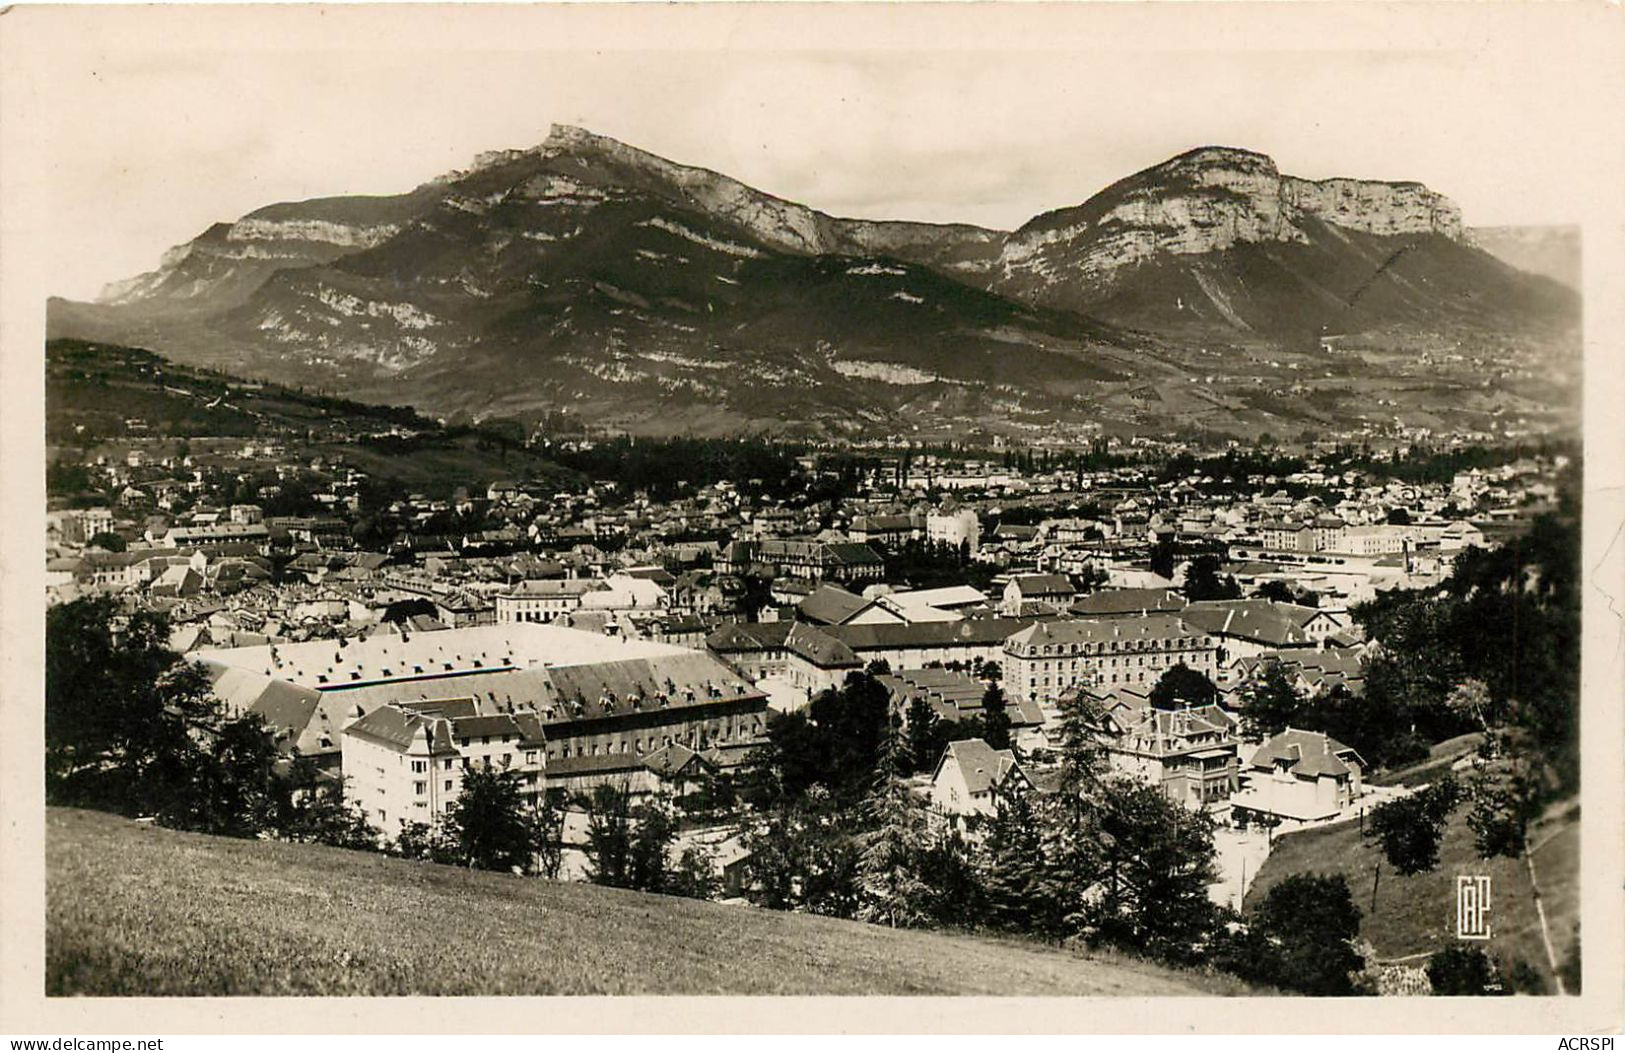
[{"x": 161, "y": 125}]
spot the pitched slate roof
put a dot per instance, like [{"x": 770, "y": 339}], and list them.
[
  {"x": 733, "y": 637},
  {"x": 1262, "y": 621},
  {"x": 820, "y": 648},
  {"x": 980, "y": 765},
  {"x": 397, "y": 727},
  {"x": 1307, "y": 753},
  {"x": 968, "y": 632},
  {"x": 1043, "y": 584},
  {"x": 953, "y": 696},
  {"x": 1104, "y": 630},
  {"x": 831, "y": 605},
  {"x": 1173, "y": 731},
  {"x": 1128, "y": 601}
]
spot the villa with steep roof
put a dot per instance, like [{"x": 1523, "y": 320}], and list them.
[
  {"x": 1190, "y": 754},
  {"x": 1300, "y": 775}
]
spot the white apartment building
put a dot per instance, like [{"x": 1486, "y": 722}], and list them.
[{"x": 404, "y": 762}]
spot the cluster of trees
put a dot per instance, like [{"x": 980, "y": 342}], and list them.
[
  {"x": 1380, "y": 725},
  {"x": 1204, "y": 579},
  {"x": 130, "y": 728},
  {"x": 630, "y": 846},
  {"x": 1421, "y": 463},
  {"x": 1494, "y": 649},
  {"x": 1409, "y": 828},
  {"x": 934, "y": 564},
  {"x": 662, "y": 466},
  {"x": 1100, "y": 860}
]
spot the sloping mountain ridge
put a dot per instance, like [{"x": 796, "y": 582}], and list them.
[{"x": 587, "y": 273}]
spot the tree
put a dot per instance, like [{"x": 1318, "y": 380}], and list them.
[
  {"x": 131, "y": 728},
  {"x": 695, "y": 874},
  {"x": 1398, "y": 516},
  {"x": 995, "y": 718},
  {"x": 1012, "y": 865},
  {"x": 107, "y": 541},
  {"x": 489, "y": 822},
  {"x": 1272, "y": 703},
  {"x": 1409, "y": 828},
  {"x": 234, "y": 790},
  {"x": 833, "y": 742},
  {"x": 1156, "y": 865},
  {"x": 609, "y": 837},
  {"x": 401, "y": 610},
  {"x": 892, "y": 887},
  {"x": 316, "y": 810},
  {"x": 1203, "y": 581},
  {"x": 1302, "y": 936},
  {"x": 920, "y": 722},
  {"x": 800, "y": 856},
  {"x": 1182, "y": 687},
  {"x": 1460, "y": 970},
  {"x": 1276, "y": 591},
  {"x": 1162, "y": 559},
  {"x": 423, "y": 841},
  {"x": 1081, "y": 744},
  {"x": 1070, "y": 842},
  {"x": 655, "y": 828}
]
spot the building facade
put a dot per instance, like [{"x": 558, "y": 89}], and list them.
[{"x": 1045, "y": 661}]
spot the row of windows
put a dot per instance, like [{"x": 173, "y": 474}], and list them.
[
  {"x": 1115, "y": 663},
  {"x": 1115, "y": 647}
]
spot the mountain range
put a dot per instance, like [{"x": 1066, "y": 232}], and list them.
[{"x": 1210, "y": 293}]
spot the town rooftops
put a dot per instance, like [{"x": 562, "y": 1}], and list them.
[
  {"x": 1039, "y": 585},
  {"x": 831, "y": 605},
  {"x": 329, "y": 665},
  {"x": 741, "y": 637},
  {"x": 550, "y": 588},
  {"x": 398, "y": 728},
  {"x": 968, "y": 632},
  {"x": 952, "y": 695},
  {"x": 820, "y": 648}
]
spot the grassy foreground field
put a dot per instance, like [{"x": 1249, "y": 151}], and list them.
[
  {"x": 1415, "y": 915},
  {"x": 137, "y": 910}
]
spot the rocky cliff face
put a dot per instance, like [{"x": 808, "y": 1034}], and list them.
[
  {"x": 229, "y": 261},
  {"x": 1202, "y": 202}
]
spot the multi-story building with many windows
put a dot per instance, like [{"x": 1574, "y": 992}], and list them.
[{"x": 1045, "y": 661}]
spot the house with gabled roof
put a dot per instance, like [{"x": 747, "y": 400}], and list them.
[
  {"x": 1300, "y": 775},
  {"x": 970, "y": 775}
]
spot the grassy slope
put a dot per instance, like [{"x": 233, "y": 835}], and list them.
[
  {"x": 135, "y": 910},
  {"x": 1416, "y": 914}
]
